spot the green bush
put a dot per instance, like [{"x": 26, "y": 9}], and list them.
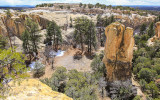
[
  {"x": 137, "y": 98},
  {"x": 146, "y": 74},
  {"x": 39, "y": 69}
]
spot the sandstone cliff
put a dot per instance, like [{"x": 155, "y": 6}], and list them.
[
  {"x": 16, "y": 24},
  {"x": 33, "y": 89},
  {"x": 118, "y": 52}
]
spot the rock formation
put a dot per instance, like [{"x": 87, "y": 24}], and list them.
[
  {"x": 33, "y": 89},
  {"x": 157, "y": 35},
  {"x": 157, "y": 30},
  {"x": 118, "y": 52},
  {"x": 16, "y": 24}
]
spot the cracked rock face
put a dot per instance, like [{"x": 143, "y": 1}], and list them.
[
  {"x": 16, "y": 24},
  {"x": 157, "y": 30},
  {"x": 118, "y": 52}
]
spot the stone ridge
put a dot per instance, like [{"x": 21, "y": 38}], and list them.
[
  {"x": 33, "y": 89},
  {"x": 118, "y": 52}
]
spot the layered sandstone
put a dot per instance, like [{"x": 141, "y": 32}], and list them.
[
  {"x": 33, "y": 89},
  {"x": 157, "y": 30},
  {"x": 16, "y": 24},
  {"x": 118, "y": 52}
]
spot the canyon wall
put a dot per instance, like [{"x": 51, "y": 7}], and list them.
[
  {"x": 16, "y": 24},
  {"x": 118, "y": 52}
]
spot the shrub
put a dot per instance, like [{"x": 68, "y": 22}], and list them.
[
  {"x": 146, "y": 74},
  {"x": 39, "y": 69},
  {"x": 122, "y": 90}
]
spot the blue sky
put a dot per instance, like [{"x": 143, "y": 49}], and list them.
[{"x": 107, "y": 2}]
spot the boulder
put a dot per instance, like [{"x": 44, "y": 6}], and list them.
[
  {"x": 33, "y": 89},
  {"x": 118, "y": 52}
]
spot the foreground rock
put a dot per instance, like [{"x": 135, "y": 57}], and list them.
[
  {"x": 118, "y": 52},
  {"x": 33, "y": 89}
]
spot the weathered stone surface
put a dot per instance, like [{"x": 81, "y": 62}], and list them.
[
  {"x": 118, "y": 52},
  {"x": 33, "y": 89},
  {"x": 16, "y": 24},
  {"x": 157, "y": 30}
]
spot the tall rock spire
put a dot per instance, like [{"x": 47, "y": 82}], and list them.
[{"x": 118, "y": 52}]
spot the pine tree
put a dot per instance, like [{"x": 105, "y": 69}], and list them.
[
  {"x": 91, "y": 36},
  {"x": 26, "y": 44},
  {"x": 31, "y": 36},
  {"x": 85, "y": 33},
  {"x": 3, "y": 42},
  {"x": 142, "y": 29},
  {"x": 151, "y": 30},
  {"x": 54, "y": 34},
  {"x": 80, "y": 31}
]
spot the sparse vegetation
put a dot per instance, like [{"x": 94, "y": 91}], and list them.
[
  {"x": 12, "y": 67},
  {"x": 39, "y": 69}
]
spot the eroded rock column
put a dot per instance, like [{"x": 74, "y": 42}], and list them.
[
  {"x": 157, "y": 30},
  {"x": 118, "y": 52}
]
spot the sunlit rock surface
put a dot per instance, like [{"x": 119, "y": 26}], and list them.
[
  {"x": 33, "y": 89},
  {"x": 118, "y": 52}
]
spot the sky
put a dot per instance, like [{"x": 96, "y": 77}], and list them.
[{"x": 107, "y": 2}]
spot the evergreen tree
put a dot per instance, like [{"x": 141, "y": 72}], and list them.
[
  {"x": 54, "y": 34},
  {"x": 80, "y": 5},
  {"x": 85, "y": 33},
  {"x": 151, "y": 30},
  {"x": 12, "y": 67},
  {"x": 3, "y": 42},
  {"x": 153, "y": 89},
  {"x": 142, "y": 29},
  {"x": 91, "y": 36},
  {"x": 26, "y": 44},
  {"x": 31, "y": 37}
]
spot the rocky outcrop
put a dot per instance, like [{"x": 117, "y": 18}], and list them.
[
  {"x": 157, "y": 35},
  {"x": 118, "y": 52},
  {"x": 16, "y": 24},
  {"x": 157, "y": 30},
  {"x": 135, "y": 20},
  {"x": 33, "y": 89}
]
